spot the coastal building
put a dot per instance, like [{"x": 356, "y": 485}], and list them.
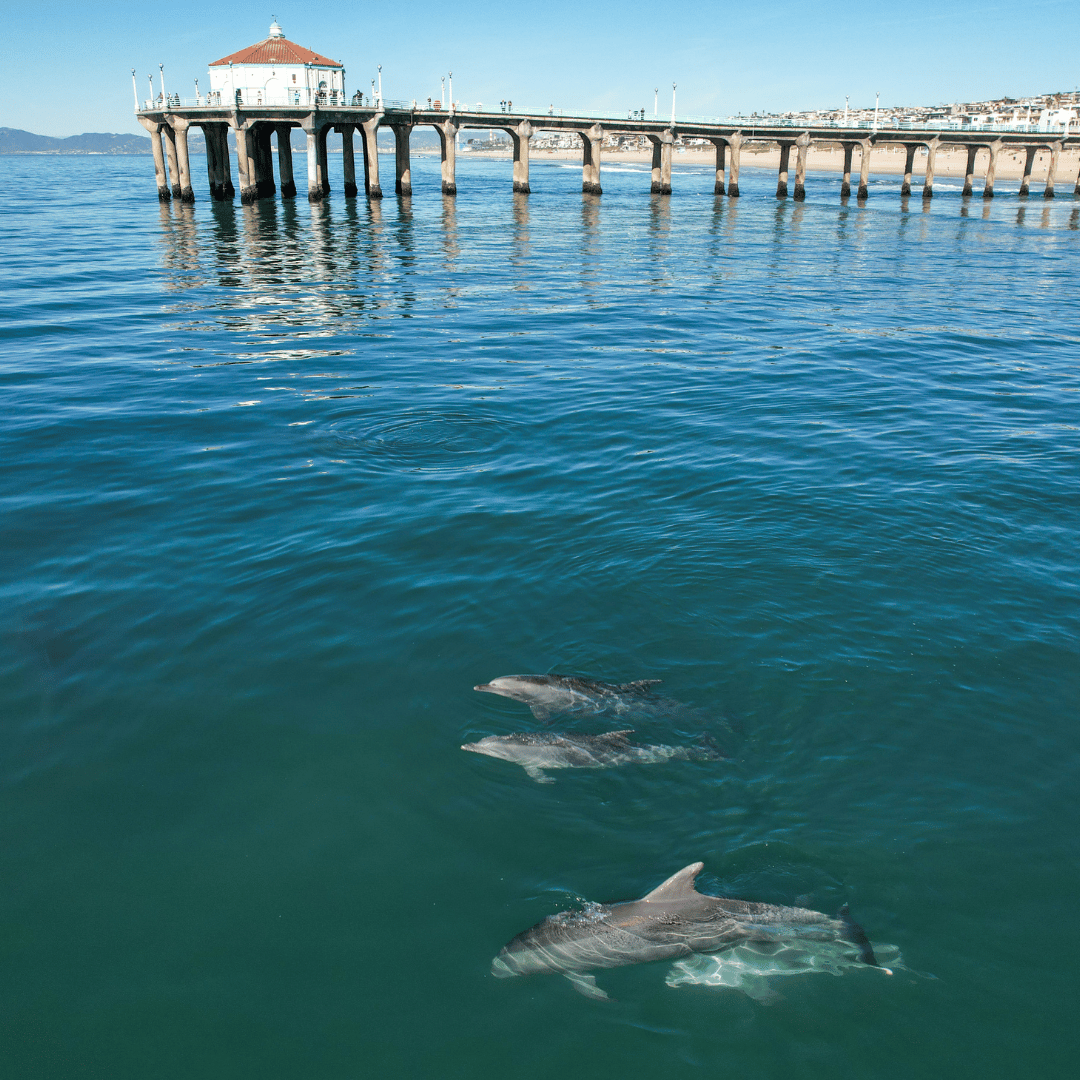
[{"x": 276, "y": 72}]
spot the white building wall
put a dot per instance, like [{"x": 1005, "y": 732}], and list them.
[{"x": 277, "y": 84}]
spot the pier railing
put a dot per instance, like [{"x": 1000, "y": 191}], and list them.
[{"x": 502, "y": 114}]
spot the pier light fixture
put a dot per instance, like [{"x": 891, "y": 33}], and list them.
[
  {"x": 150, "y": 80},
  {"x": 673, "y": 104},
  {"x": 450, "y": 76},
  {"x": 135, "y": 89},
  {"x": 656, "y": 101},
  {"x": 877, "y": 98},
  {"x": 197, "y": 92},
  {"x": 161, "y": 68},
  {"x": 380, "y": 85},
  {"x": 442, "y": 93}
]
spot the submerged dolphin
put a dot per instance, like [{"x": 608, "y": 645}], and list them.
[
  {"x": 547, "y": 694},
  {"x": 672, "y": 921},
  {"x": 536, "y": 751}
]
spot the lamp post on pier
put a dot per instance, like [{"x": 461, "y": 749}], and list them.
[
  {"x": 673, "y": 104},
  {"x": 877, "y": 98},
  {"x": 656, "y": 101},
  {"x": 450, "y": 76},
  {"x": 161, "y": 68},
  {"x": 380, "y": 86},
  {"x": 135, "y": 89}
]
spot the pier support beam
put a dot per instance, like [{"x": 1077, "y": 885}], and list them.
[
  {"x": 719, "y": 185},
  {"x": 845, "y": 184},
  {"x": 864, "y": 169},
  {"x": 245, "y": 164},
  {"x": 348, "y": 160},
  {"x": 369, "y": 131},
  {"x": 448, "y": 130},
  {"x": 661, "y": 162},
  {"x": 928, "y": 179},
  {"x": 324, "y": 165},
  {"x": 782, "y": 178},
  {"x": 969, "y": 169},
  {"x": 163, "y": 193},
  {"x": 802, "y": 148},
  {"x": 1055, "y": 155},
  {"x": 991, "y": 169},
  {"x": 909, "y": 168},
  {"x": 170, "y": 157},
  {"x": 284, "y": 160},
  {"x": 314, "y": 188},
  {"x": 215, "y": 173},
  {"x": 520, "y": 136},
  {"x": 592, "y": 138},
  {"x": 180, "y": 128},
  {"x": 1029, "y": 161},
  {"x": 402, "y": 165},
  {"x": 229, "y": 191},
  {"x": 735, "y": 146},
  {"x": 265, "y": 187}
]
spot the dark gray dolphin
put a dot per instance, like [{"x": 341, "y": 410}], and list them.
[
  {"x": 672, "y": 921},
  {"x": 547, "y": 694},
  {"x": 536, "y": 751}
]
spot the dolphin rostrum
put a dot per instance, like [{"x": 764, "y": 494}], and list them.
[
  {"x": 672, "y": 921},
  {"x": 547, "y": 694},
  {"x": 536, "y": 751}
]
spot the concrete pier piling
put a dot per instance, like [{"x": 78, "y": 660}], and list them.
[
  {"x": 402, "y": 162},
  {"x": 734, "y": 142},
  {"x": 448, "y": 146},
  {"x": 215, "y": 170},
  {"x": 802, "y": 148},
  {"x": 719, "y": 185},
  {"x": 1055, "y": 156},
  {"x": 265, "y": 187},
  {"x": 520, "y": 136},
  {"x": 369, "y": 130},
  {"x": 324, "y": 164},
  {"x": 180, "y": 129},
  {"x": 592, "y": 138},
  {"x": 314, "y": 187},
  {"x": 1029, "y": 161},
  {"x": 969, "y": 169},
  {"x": 864, "y": 169},
  {"x": 928, "y": 179},
  {"x": 991, "y": 169},
  {"x": 245, "y": 163},
  {"x": 782, "y": 177},
  {"x": 909, "y": 167},
  {"x": 661, "y": 162},
  {"x": 845, "y": 183},
  {"x": 284, "y": 160},
  {"x": 348, "y": 159},
  {"x": 170, "y": 157},
  {"x": 160, "y": 175}
]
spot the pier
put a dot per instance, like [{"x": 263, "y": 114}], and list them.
[
  {"x": 261, "y": 93},
  {"x": 253, "y": 128}
]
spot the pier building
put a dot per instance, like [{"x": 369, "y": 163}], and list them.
[
  {"x": 254, "y": 96},
  {"x": 276, "y": 72}
]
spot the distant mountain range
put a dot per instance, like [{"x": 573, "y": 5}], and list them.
[{"x": 14, "y": 141}]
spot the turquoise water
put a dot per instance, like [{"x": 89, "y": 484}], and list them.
[{"x": 282, "y": 484}]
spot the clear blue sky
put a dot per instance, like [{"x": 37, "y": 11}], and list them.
[{"x": 67, "y": 66}]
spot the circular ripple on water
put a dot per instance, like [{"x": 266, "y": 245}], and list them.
[{"x": 420, "y": 440}]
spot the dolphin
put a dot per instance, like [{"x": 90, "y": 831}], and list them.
[
  {"x": 536, "y": 751},
  {"x": 671, "y": 922},
  {"x": 546, "y": 694}
]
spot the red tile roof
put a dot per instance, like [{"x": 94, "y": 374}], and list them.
[{"x": 276, "y": 50}]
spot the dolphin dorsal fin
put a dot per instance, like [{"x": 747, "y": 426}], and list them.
[{"x": 679, "y": 886}]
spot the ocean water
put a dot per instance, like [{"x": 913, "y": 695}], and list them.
[{"x": 281, "y": 484}]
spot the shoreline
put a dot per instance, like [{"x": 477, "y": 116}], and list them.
[{"x": 951, "y": 163}]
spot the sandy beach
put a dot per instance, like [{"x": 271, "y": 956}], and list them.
[{"x": 950, "y": 162}]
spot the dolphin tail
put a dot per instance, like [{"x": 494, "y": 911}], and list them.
[{"x": 855, "y": 934}]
